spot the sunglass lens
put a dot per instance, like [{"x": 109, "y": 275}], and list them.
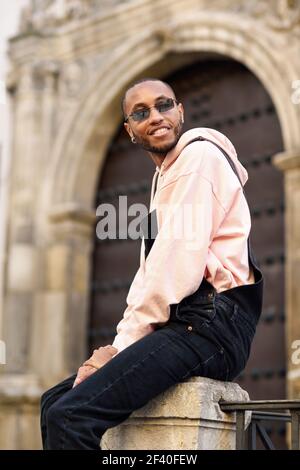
[
  {"x": 165, "y": 106},
  {"x": 161, "y": 107},
  {"x": 141, "y": 115}
]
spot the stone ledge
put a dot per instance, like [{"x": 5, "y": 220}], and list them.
[
  {"x": 289, "y": 160},
  {"x": 19, "y": 389},
  {"x": 185, "y": 417},
  {"x": 19, "y": 412}
]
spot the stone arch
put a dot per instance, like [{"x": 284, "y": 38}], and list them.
[
  {"x": 67, "y": 201},
  {"x": 95, "y": 120}
]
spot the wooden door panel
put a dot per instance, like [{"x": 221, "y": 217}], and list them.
[{"x": 226, "y": 96}]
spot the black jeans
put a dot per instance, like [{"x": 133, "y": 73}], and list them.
[{"x": 206, "y": 336}]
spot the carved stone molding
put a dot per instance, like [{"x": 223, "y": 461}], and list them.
[
  {"x": 43, "y": 15},
  {"x": 280, "y": 15},
  {"x": 45, "y": 73},
  {"x": 277, "y": 14},
  {"x": 32, "y": 78},
  {"x": 74, "y": 78},
  {"x": 287, "y": 161}
]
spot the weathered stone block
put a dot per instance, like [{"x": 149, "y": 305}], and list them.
[{"x": 185, "y": 417}]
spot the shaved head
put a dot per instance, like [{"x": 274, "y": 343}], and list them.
[
  {"x": 137, "y": 82},
  {"x": 160, "y": 127}
]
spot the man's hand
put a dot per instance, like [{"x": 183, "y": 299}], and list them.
[
  {"x": 99, "y": 357},
  {"x": 83, "y": 373}
]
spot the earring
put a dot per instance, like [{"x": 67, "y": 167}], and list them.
[
  {"x": 133, "y": 140},
  {"x": 182, "y": 120}
]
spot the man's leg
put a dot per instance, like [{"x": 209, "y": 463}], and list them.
[
  {"x": 131, "y": 379},
  {"x": 48, "y": 399}
]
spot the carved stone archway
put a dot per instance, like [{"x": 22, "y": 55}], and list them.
[
  {"x": 96, "y": 116},
  {"x": 69, "y": 195},
  {"x": 51, "y": 212}
]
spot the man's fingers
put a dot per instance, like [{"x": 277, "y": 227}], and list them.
[
  {"x": 76, "y": 382},
  {"x": 111, "y": 348},
  {"x": 101, "y": 356},
  {"x": 83, "y": 373}
]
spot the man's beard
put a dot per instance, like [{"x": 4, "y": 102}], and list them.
[{"x": 160, "y": 150}]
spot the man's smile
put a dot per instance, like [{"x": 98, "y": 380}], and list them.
[{"x": 160, "y": 131}]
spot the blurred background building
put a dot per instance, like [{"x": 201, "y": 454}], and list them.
[{"x": 235, "y": 66}]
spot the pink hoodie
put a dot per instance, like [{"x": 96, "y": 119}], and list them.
[{"x": 199, "y": 194}]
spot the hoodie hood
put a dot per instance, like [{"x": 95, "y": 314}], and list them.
[{"x": 212, "y": 135}]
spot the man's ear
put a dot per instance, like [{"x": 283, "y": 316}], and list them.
[
  {"x": 128, "y": 129},
  {"x": 181, "y": 111}
]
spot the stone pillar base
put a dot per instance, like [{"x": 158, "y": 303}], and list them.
[
  {"x": 185, "y": 417},
  {"x": 19, "y": 412}
]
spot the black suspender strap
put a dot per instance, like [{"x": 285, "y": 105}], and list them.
[
  {"x": 251, "y": 253},
  {"x": 224, "y": 153}
]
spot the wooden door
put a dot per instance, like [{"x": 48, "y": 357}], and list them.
[{"x": 226, "y": 96}]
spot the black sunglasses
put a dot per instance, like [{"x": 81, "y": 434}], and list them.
[{"x": 162, "y": 107}]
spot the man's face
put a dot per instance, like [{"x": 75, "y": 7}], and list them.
[{"x": 160, "y": 132}]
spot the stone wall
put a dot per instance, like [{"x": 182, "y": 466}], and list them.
[{"x": 69, "y": 66}]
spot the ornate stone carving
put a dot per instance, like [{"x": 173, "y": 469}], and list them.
[
  {"x": 74, "y": 78},
  {"x": 278, "y": 14},
  {"x": 48, "y": 14},
  {"x": 44, "y": 15}
]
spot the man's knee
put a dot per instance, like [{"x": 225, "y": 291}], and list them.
[
  {"x": 44, "y": 398},
  {"x": 54, "y": 393},
  {"x": 56, "y": 415},
  {"x": 45, "y": 401}
]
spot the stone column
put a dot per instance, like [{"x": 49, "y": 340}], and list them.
[
  {"x": 21, "y": 280},
  {"x": 60, "y": 318},
  {"x": 185, "y": 417},
  {"x": 33, "y": 112},
  {"x": 289, "y": 163},
  {"x": 48, "y": 74},
  {"x": 19, "y": 382},
  {"x": 19, "y": 412}
]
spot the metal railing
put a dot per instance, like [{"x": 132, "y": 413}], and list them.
[{"x": 246, "y": 437}]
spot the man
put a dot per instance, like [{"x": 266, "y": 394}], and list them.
[{"x": 196, "y": 298}]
